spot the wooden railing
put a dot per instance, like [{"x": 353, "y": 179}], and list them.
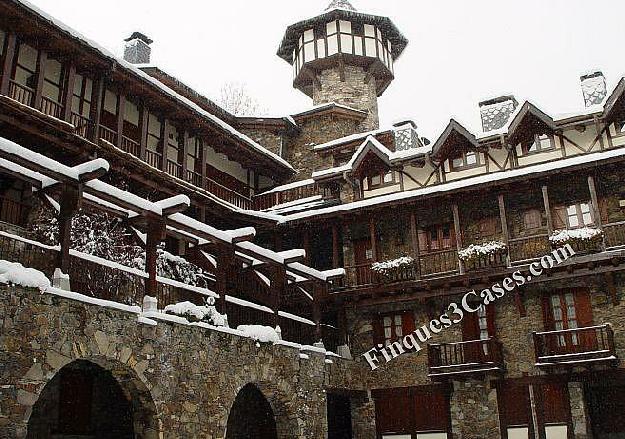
[
  {"x": 82, "y": 124},
  {"x": 131, "y": 146},
  {"x": 21, "y": 93},
  {"x": 487, "y": 261},
  {"x": 153, "y": 158},
  {"x": 465, "y": 358},
  {"x": 358, "y": 275},
  {"x": 439, "y": 262},
  {"x": 227, "y": 194},
  {"x": 12, "y": 212},
  {"x": 575, "y": 346},
  {"x": 528, "y": 247},
  {"x": 268, "y": 200},
  {"x": 51, "y": 107},
  {"x": 194, "y": 178},
  {"x": 108, "y": 134},
  {"x": 614, "y": 234},
  {"x": 174, "y": 168}
]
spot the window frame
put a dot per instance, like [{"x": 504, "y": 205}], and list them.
[
  {"x": 538, "y": 141},
  {"x": 465, "y": 165},
  {"x": 368, "y": 185},
  {"x": 443, "y": 243},
  {"x": 619, "y": 132}
]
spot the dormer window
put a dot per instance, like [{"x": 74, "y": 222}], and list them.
[
  {"x": 378, "y": 180},
  {"x": 539, "y": 143},
  {"x": 465, "y": 160}
]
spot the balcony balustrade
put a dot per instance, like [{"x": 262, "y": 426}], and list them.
[
  {"x": 108, "y": 134},
  {"x": 614, "y": 234},
  {"x": 21, "y": 93},
  {"x": 485, "y": 262},
  {"x": 574, "y": 347},
  {"x": 51, "y": 107},
  {"x": 465, "y": 358},
  {"x": 82, "y": 124},
  {"x": 131, "y": 146},
  {"x": 439, "y": 262},
  {"x": 528, "y": 247}
]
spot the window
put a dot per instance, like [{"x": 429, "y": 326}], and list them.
[
  {"x": 154, "y": 133},
  {"x": 25, "y": 72},
  {"x": 194, "y": 155},
  {"x": 573, "y": 216},
  {"x": 81, "y": 101},
  {"x": 488, "y": 227},
  {"x": 2, "y": 42},
  {"x": 53, "y": 80},
  {"x": 392, "y": 327},
  {"x": 532, "y": 219},
  {"x": 437, "y": 237},
  {"x": 379, "y": 180},
  {"x": 569, "y": 309},
  {"x": 539, "y": 143},
  {"x": 564, "y": 316},
  {"x": 465, "y": 160},
  {"x": 333, "y": 44},
  {"x": 131, "y": 121},
  {"x": 173, "y": 144}
]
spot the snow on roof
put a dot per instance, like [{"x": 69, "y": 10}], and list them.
[
  {"x": 288, "y": 186},
  {"x": 134, "y": 69},
  {"x": 351, "y": 138},
  {"x": 298, "y": 207},
  {"x": 329, "y": 105},
  {"x": 294, "y": 203},
  {"x": 464, "y": 183}
]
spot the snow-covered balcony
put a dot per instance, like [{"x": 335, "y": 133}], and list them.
[
  {"x": 575, "y": 347},
  {"x": 482, "y": 256},
  {"x": 473, "y": 358}
]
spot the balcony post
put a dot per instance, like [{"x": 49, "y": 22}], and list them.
[
  {"x": 547, "y": 209},
  {"x": 592, "y": 188},
  {"x": 278, "y": 285},
  {"x": 306, "y": 245},
  {"x": 143, "y": 127},
  {"x": 335, "y": 246},
  {"x": 185, "y": 154},
  {"x": 223, "y": 277},
  {"x": 319, "y": 298},
  {"x": 7, "y": 68},
  {"x": 504, "y": 224},
  {"x": 204, "y": 161},
  {"x": 96, "y": 108},
  {"x": 414, "y": 240},
  {"x": 456, "y": 215},
  {"x": 121, "y": 110},
  {"x": 69, "y": 92},
  {"x": 41, "y": 69},
  {"x": 165, "y": 144},
  {"x": 156, "y": 232},
  {"x": 372, "y": 237},
  {"x": 69, "y": 204}
]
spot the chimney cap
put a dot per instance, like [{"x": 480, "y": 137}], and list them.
[
  {"x": 139, "y": 36},
  {"x": 403, "y": 122},
  {"x": 498, "y": 100},
  {"x": 590, "y": 74}
]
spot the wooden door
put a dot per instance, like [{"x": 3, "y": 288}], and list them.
[
  {"x": 479, "y": 325},
  {"x": 363, "y": 258}
]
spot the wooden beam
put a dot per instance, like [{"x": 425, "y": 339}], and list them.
[
  {"x": 185, "y": 153},
  {"x": 7, "y": 68},
  {"x": 594, "y": 200},
  {"x": 278, "y": 286},
  {"x": 41, "y": 69},
  {"x": 373, "y": 238},
  {"x": 121, "y": 110},
  {"x": 69, "y": 204},
  {"x": 156, "y": 232},
  {"x": 96, "y": 109},
  {"x": 504, "y": 222},
  {"x": 335, "y": 246},
  {"x": 547, "y": 207},
  {"x": 143, "y": 128},
  {"x": 414, "y": 238},
  {"x": 165, "y": 143},
  {"x": 69, "y": 92},
  {"x": 458, "y": 231},
  {"x": 306, "y": 245},
  {"x": 225, "y": 261}
]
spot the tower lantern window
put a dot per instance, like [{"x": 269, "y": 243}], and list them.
[{"x": 346, "y": 27}]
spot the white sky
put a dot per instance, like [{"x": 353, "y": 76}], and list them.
[{"x": 460, "y": 51}]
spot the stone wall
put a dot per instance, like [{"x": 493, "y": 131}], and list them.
[
  {"x": 183, "y": 379},
  {"x": 353, "y": 92},
  {"x": 271, "y": 141}
]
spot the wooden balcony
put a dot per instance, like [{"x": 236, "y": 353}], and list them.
[
  {"x": 575, "y": 347},
  {"x": 51, "y": 107},
  {"x": 438, "y": 262},
  {"x": 614, "y": 234},
  {"x": 174, "y": 168},
  {"x": 82, "y": 125},
  {"x": 194, "y": 178},
  {"x": 131, "y": 146},
  {"x": 528, "y": 247},
  {"x": 265, "y": 201},
  {"x": 465, "y": 359},
  {"x": 486, "y": 262},
  {"x": 153, "y": 158},
  {"x": 12, "y": 212},
  {"x": 226, "y": 194},
  {"x": 108, "y": 134}
]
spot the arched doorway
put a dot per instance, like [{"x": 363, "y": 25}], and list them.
[
  {"x": 251, "y": 416},
  {"x": 86, "y": 400}
]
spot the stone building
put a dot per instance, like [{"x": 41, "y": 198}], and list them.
[{"x": 395, "y": 230}]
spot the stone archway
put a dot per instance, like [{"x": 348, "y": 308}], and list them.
[
  {"x": 251, "y": 416},
  {"x": 100, "y": 398}
]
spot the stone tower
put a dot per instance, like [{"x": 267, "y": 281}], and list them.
[{"x": 344, "y": 56}]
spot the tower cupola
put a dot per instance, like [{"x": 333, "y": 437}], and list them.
[{"x": 343, "y": 56}]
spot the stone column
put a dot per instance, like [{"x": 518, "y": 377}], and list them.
[
  {"x": 363, "y": 417},
  {"x": 474, "y": 410},
  {"x": 579, "y": 412}
]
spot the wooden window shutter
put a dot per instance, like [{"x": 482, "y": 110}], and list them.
[
  {"x": 378, "y": 330},
  {"x": 407, "y": 322},
  {"x": 470, "y": 327},
  {"x": 603, "y": 210},
  {"x": 583, "y": 308},
  {"x": 423, "y": 240},
  {"x": 547, "y": 314},
  {"x": 559, "y": 217},
  {"x": 490, "y": 319},
  {"x": 555, "y": 403}
]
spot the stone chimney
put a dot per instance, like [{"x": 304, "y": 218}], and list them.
[
  {"x": 137, "y": 49},
  {"x": 496, "y": 112},
  {"x": 406, "y": 136},
  {"x": 593, "y": 87}
]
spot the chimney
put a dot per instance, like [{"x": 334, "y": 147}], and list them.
[
  {"x": 137, "y": 49},
  {"x": 406, "y": 136},
  {"x": 593, "y": 87},
  {"x": 496, "y": 112}
]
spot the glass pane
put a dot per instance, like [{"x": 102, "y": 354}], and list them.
[
  {"x": 380, "y": 51},
  {"x": 309, "y": 52},
  {"x": 331, "y": 27},
  {"x": 88, "y": 89},
  {"x": 369, "y": 30},
  {"x": 53, "y": 72},
  {"x": 387, "y": 321},
  {"x": 471, "y": 158},
  {"x": 78, "y": 84},
  {"x": 358, "y": 46},
  {"x": 375, "y": 180},
  {"x": 346, "y": 44},
  {"x": 309, "y": 35},
  {"x": 397, "y": 320},
  {"x": 345, "y": 26},
  {"x": 131, "y": 113},
  {"x": 27, "y": 57},
  {"x": 518, "y": 433},
  {"x": 333, "y": 45},
  {"x": 2, "y": 39},
  {"x": 110, "y": 102},
  {"x": 556, "y": 432},
  {"x": 370, "y": 47},
  {"x": 321, "y": 48},
  {"x": 154, "y": 125},
  {"x": 388, "y": 177}
]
